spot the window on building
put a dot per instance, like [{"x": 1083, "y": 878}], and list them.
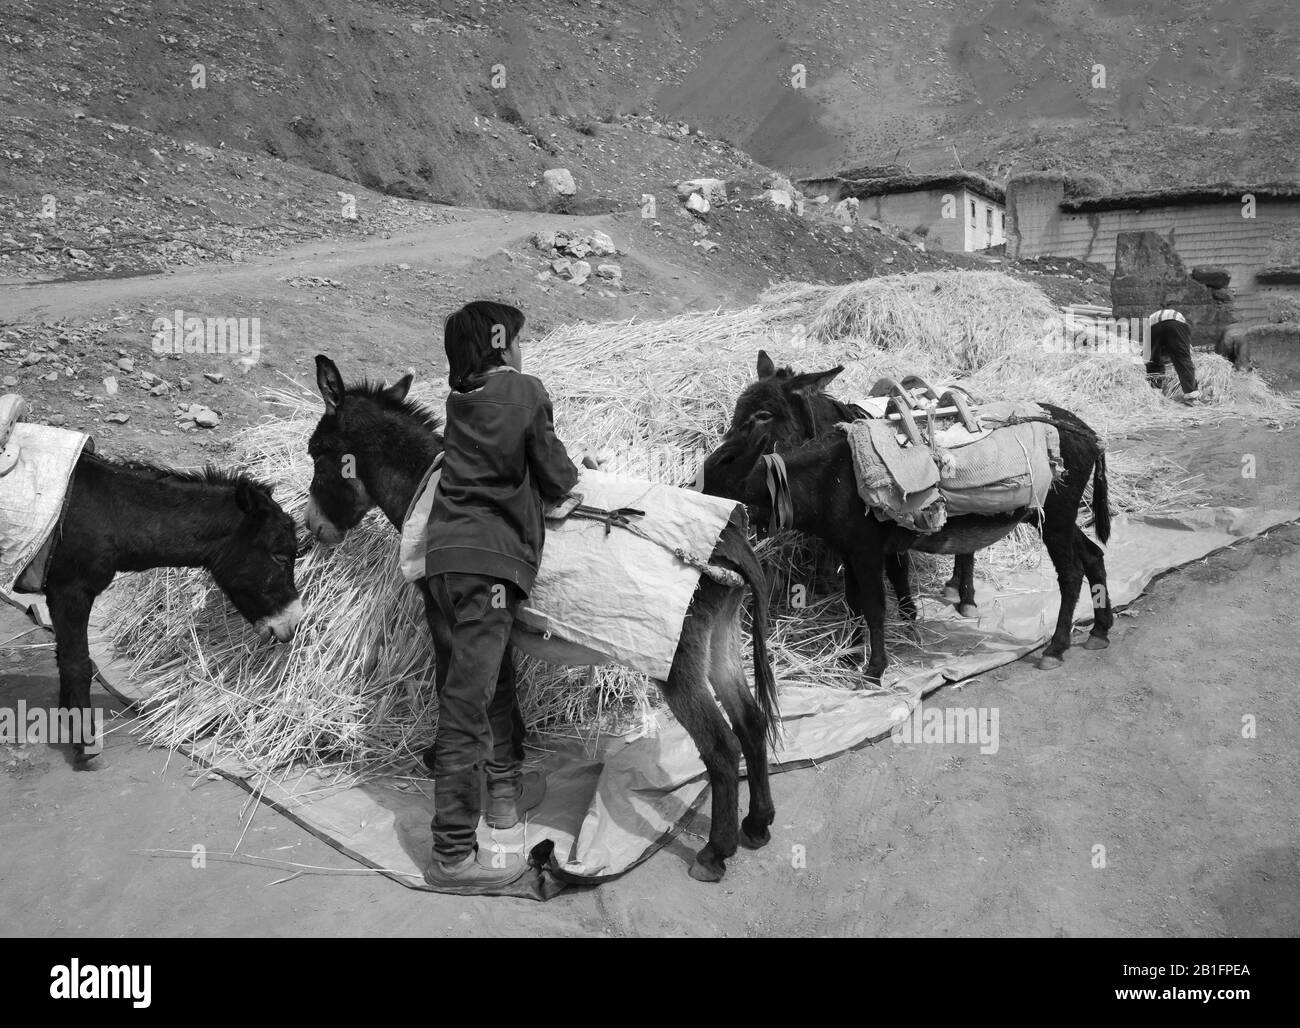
[
  {"x": 988, "y": 221},
  {"x": 972, "y": 213}
]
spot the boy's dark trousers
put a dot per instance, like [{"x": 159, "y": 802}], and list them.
[
  {"x": 480, "y": 728},
  {"x": 1172, "y": 340}
]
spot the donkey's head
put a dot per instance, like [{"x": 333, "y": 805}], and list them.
[
  {"x": 371, "y": 447},
  {"x": 780, "y": 411},
  {"x": 254, "y": 566}
]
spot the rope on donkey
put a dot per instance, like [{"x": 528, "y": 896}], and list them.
[
  {"x": 621, "y": 518},
  {"x": 1085, "y": 431}
]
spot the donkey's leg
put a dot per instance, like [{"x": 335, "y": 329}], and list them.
[
  {"x": 898, "y": 568},
  {"x": 70, "y": 614},
  {"x": 868, "y": 573},
  {"x": 1059, "y": 537},
  {"x": 853, "y": 599},
  {"x": 951, "y": 592},
  {"x": 727, "y": 675},
  {"x": 963, "y": 567},
  {"x": 1094, "y": 566},
  {"x": 687, "y": 694}
]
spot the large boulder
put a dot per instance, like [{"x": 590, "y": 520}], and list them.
[
  {"x": 559, "y": 181},
  {"x": 1149, "y": 276}
]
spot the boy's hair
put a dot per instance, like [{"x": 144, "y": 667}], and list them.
[{"x": 476, "y": 338}]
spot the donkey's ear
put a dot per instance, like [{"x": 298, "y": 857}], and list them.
[
  {"x": 815, "y": 381},
  {"x": 398, "y": 390},
  {"x": 250, "y": 498},
  {"x": 330, "y": 383},
  {"x": 766, "y": 369}
]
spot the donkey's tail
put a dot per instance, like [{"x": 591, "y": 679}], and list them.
[
  {"x": 1100, "y": 497},
  {"x": 751, "y": 571}
]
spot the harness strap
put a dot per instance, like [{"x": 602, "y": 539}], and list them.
[{"x": 778, "y": 492}]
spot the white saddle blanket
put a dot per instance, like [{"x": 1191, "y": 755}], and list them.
[
  {"x": 32, "y": 499},
  {"x": 606, "y": 598}
]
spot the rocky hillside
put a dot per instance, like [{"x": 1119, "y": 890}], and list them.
[{"x": 468, "y": 102}]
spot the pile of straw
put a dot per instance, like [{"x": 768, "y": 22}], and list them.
[{"x": 352, "y": 696}]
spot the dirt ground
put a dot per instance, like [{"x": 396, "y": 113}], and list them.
[{"x": 1138, "y": 749}]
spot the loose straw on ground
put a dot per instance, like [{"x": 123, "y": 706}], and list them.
[{"x": 351, "y": 697}]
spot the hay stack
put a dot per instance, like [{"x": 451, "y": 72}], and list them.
[{"x": 351, "y": 695}]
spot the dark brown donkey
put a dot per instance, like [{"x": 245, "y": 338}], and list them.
[
  {"x": 790, "y": 414},
  {"x": 392, "y": 441},
  {"x": 131, "y": 517}
]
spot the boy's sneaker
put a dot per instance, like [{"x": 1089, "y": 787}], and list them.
[
  {"x": 509, "y": 798},
  {"x": 476, "y": 872}
]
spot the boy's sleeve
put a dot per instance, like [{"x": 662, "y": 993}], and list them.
[{"x": 548, "y": 460}]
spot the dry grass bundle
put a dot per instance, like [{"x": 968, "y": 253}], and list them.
[
  {"x": 352, "y": 697},
  {"x": 961, "y": 319}
]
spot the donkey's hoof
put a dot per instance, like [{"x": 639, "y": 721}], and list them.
[
  {"x": 1046, "y": 663},
  {"x": 869, "y": 681},
  {"x": 756, "y": 837},
  {"x": 1096, "y": 642},
  {"x": 87, "y": 762},
  {"x": 950, "y": 595},
  {"x": 968, "y": 610},
  {"x": 710, "y": 872}
]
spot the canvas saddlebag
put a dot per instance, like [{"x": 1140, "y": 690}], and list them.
[
  {"x": 996, "y": 470},
  {"x": 1000, "y": 469}
]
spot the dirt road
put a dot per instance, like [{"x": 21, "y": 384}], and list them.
[
  {"x": 450, "y": 245},
  {"x": 1138, "y": 749}
]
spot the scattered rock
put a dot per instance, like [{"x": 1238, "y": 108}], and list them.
[
  {"x": 697, "y": 203},
  {"x": 712, "y": 189},
  {"x": 579, "y": 272},
  {"x": 612, "y": 271},
  {"x": 118, "y": 419},
  {"x": 184, "y": 385},
  {"x": 559, "y": 181},
  {"x": 205, "y": 418},
  {"x": 53, "y": 376},
  {"x": 601, "y": 244},
  {"x": 708, "y": 245},
  {"x": 215, "y": 377},
  {"x": 161, "y": 389},
  {"x": 126, "y": 364},
  {"x": 779, "y": 198},
  {"x": 9, "y": 381},
  {"x": 846, "y": 211},
  {"x": 57, "y": 420},
  {"x": 110, "y": 385},
  {"x": 149, "y": 378}
]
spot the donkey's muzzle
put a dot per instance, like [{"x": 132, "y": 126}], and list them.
[
  {"x": 320, "y": 527},
  {"x": 281, "y": 625}
]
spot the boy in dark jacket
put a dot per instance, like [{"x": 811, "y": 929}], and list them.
[{"x": 502, "y": 463}]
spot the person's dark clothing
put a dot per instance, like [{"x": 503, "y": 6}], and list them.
[
  {"x": 1171, "y": 340},
  {"x": 501, "y": 461},
  {"x": 480, "y": 728}
]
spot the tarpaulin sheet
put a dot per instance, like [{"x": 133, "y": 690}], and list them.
[
  {"x": 32, "y": 497},
  {"x": 609, "y": 806}
]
